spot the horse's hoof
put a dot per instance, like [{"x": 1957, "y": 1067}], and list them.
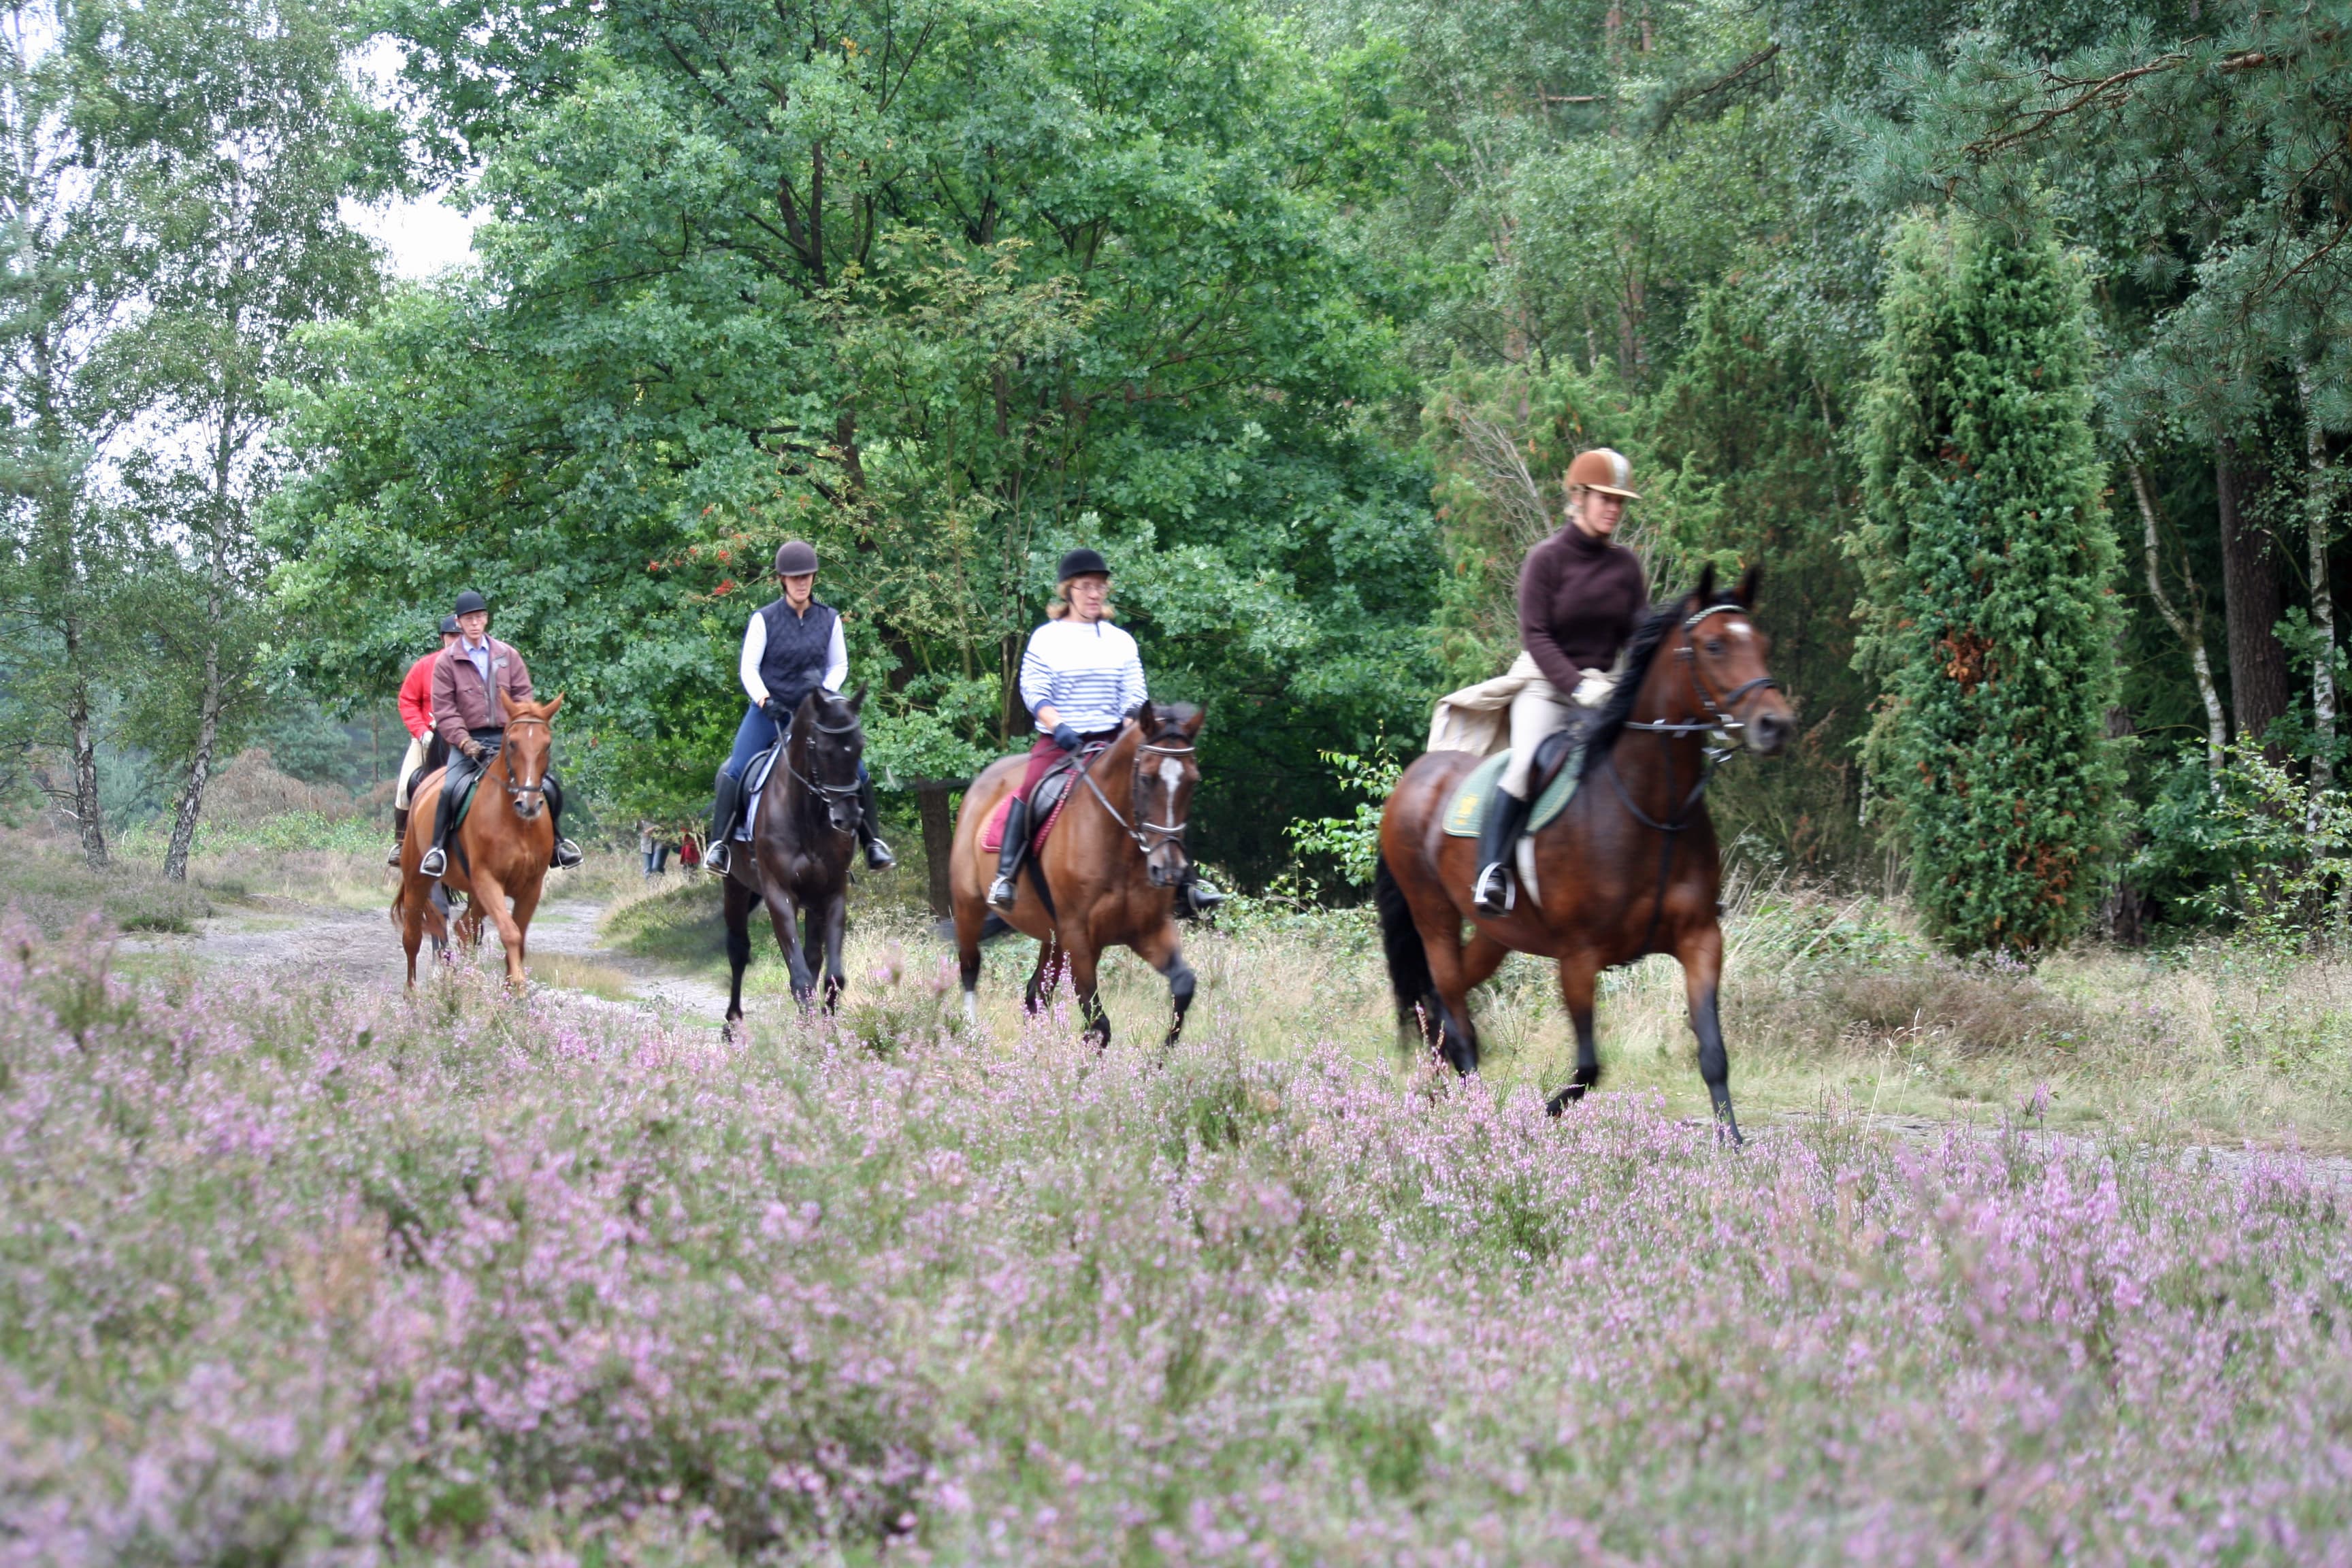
[{"x": 1563, "y": 1100}]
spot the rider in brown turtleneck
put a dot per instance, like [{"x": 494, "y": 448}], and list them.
[{"x": 1581, "y": 596}]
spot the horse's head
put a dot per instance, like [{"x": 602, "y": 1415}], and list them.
[
  {"x": 1166, "y": 768},
  {"x": 1725, "y": 651},
  {"x": 835, "y": 739},
  {"x": 529, "y": 743}
]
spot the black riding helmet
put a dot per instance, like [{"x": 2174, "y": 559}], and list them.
[
  {"x": 470, "y": 603},
  {"x": 795, "y": 557},
  {"x": 448, "y": 625},
  {"x": 1082, "y": 563}
]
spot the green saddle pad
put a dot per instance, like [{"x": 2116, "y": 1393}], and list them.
[{"x": 1466, "y": 813}]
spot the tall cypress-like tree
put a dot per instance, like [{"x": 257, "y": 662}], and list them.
[{"x": 1988, "y": 561}]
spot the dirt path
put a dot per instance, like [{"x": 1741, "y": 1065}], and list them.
[{"x": 271, "y": 935}]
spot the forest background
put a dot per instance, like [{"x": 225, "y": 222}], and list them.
[{"x": 1297, "y": 312}]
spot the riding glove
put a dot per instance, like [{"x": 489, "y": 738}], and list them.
[
  {"x": 776, "y": 711},
  {"x": 1067, "y": 737}
]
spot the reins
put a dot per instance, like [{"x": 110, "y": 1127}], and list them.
[{"x": 831, "y": 795}]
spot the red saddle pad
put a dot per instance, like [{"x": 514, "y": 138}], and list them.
[{"x": 991, "y": 829}]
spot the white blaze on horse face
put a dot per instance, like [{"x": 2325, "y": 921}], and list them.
[
  {"x": 1740, "y": 628},
  {"x": 1171, "y": 773}
]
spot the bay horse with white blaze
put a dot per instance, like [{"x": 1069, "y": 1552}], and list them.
[
  {"x": 500, "y": 852},
  {"x": 1630, "y": 868},
  {"x": 801, "y": 836},
  {"x": 1109, "y": 875}
]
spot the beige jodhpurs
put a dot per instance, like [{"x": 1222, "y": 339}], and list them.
[
  {"x": 1541, "y": 708},
  {"x": 410, "y": 763}
]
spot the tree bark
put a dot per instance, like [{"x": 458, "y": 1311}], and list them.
[
  {"x": 2190, "y": 630},
  {"x": 92, "y": 821},
  {"x": 2318, "y": 532},
  {"x": 200, "y": 768},
  {"x": 939, "y": 843},
  {"x": 2250, "y": 590}
]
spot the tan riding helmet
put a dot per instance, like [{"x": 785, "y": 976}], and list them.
[{"x": 1602, "y": 470}]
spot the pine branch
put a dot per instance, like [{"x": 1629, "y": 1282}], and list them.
[{"x": 1684, "y": 98}]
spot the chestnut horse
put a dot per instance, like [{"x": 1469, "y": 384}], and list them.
[
  {"x": 501, "y": 851},
  {"x": 799, "y": 860},
  {"x": 1629, "y": 869},
  {"x": 1109, "y": 875}
]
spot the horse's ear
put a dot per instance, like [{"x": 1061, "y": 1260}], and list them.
[
  {"x": 1751, "y": 582},
  {"x": 1703, "y": 594},
  {"x": 554, "y": 706},
  {"x": 1189, "y": 719},
  {"x": 857, "y": 698}
]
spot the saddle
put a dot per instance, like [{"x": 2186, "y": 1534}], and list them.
[
  {"x": 1553, "y": 779},
  {"x": 1046, "y": 802},
  {"x": 755, "y": 779}
]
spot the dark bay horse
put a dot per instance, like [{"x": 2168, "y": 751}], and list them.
[
  {"x": 1111, "y": 868},
  {"x": 800, "y": 842},
  {"x": 499, "y": 852},
  {"x": 1629, "y": 869}
]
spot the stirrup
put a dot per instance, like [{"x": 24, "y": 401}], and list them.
[
  {"x": 393, "y": 860},
  {"x": 879, "y": 857},
  {"x": 1497, "y": 891},
  {"x": 567, "y": 855},
  {"x": 1003, "y": 893},
  {"x": 716, "y": 856},
  {"x": 435, "y": 864}
]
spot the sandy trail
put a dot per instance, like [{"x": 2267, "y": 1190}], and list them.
[{"x": 275, "y": 935}]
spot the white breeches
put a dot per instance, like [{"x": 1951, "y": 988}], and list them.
[
  {"x": 410, "y": 762},
  {"x": 1535, "y": 711}
]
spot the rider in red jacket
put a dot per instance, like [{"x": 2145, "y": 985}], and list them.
[{"x": 417, "y": 713}]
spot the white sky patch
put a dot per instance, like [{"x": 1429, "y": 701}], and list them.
[
  {"x": 421, "y": 238},
  {"x": 425, "y": 236}
]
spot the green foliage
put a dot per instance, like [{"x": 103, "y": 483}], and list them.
[
  {"x": 1353, "y": 840},
  {"x": 946, "y": 300},
  {"x": 1988, "y": 561}
]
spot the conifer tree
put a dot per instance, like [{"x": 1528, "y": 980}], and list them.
[{"x": 1988, "y": 559}]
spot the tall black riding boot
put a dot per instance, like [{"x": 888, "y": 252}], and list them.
[
  {"x": 870, "y": 827},
  {"x": 727, "y": 804},
  {"x": 399, "y": 836},
  {"x": 1495, "y": 887},
  {"x": 437, "y": 855},
  {"x": 565, "y": 856},
  {"x": 1004, "y": 891}
]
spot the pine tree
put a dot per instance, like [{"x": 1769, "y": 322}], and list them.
[{"x": 1988, "y": 560}]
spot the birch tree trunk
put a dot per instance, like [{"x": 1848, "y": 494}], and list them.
[
  {"x": 2319, "y": 518},
  {"x": 2190, "y": 630},
  {"x": 200, "y": 766},
  {"x": 90, "y": 814}
]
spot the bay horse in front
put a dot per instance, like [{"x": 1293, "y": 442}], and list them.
[{"x": 1628, "y": 867}]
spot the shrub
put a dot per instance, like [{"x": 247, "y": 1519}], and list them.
[{"x": 1988, "y": 561}]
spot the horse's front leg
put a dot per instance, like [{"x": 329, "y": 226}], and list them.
[
  {"x": 1083, "y": 959},
  {"x": 1701, "y": 951},
  {"x": 786, "y": 921},
  {"x": 1579, "y": 975},
  {"x": 837, "y": 926},
  {"x": 490, "y": 895},
  {"x": 1164, "y": 951},
  {"x": 739, "y": 949},
  {"x": 526, "y": 902}
]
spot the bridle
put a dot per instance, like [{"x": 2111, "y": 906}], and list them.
[
  {"x": 1147, "y": 836},
  {"x": 516, "y": 792},
  {"x": 1722, "y": 720},
  {"x": 831, "y": 795}
]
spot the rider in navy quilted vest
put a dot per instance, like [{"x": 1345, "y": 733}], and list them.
[{"x": 791, "y": 648}]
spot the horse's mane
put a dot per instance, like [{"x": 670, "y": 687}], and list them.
[{"x": 1641, "y": 652}]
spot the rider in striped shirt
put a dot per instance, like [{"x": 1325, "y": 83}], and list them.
[{"x": 1080, "y": 678}]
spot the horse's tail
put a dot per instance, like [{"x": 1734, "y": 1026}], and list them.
[{"x": 1409, "y": 976}]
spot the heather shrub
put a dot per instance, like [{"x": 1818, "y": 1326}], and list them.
[{"x": 301, "y": 1275}]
